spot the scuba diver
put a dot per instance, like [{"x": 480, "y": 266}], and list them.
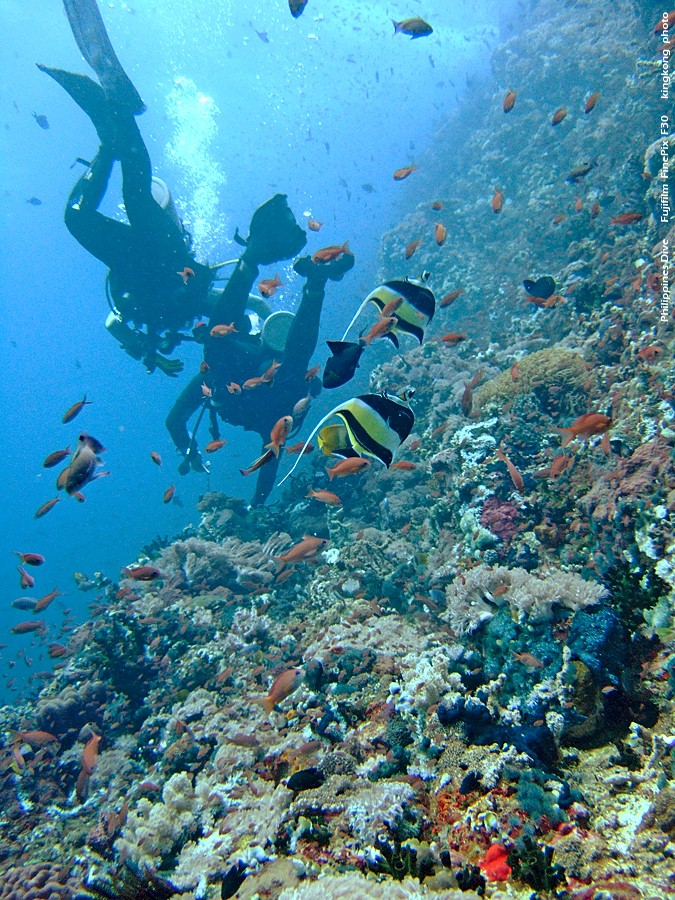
[
  {"x": 273, "y": 362},
  {"x": 155, "y": 287}
]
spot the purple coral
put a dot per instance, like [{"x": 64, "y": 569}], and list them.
[{"x": 499, "y": 517}]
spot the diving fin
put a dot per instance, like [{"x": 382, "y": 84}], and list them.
[
  {"x": 274, "y": 234},
  {"x": 239, "y": 239},
  {"x": 91, "y": 37},
  {"x": 91, "y": 99}
]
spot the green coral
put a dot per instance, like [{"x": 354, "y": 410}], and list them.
[
  {"x": 634, "y": 591},
  {"x": 534, "y": 865},
  {"x": 554, "y": 373}
]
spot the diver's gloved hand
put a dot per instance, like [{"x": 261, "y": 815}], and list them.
[
  {"x": 170, "y": 367},
  {"x": 274, "y": 234},
  {"x": 193, "y": 460},
  {"x": 320, "y": 273}
]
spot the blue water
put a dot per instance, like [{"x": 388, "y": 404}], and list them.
[{"x": 329, "y": 103}]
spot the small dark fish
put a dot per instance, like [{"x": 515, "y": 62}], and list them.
[
  {"x": 297, "y": 7},
  {"x": 368, "y": 188},
  {"x": 44, "y": 509},
  {"x": 236, "y": 874},
  {"x": 41, "y": 120},
  {"x": 56, "y": 457},
  {"x": 261, "y": 34},
  {"x": 543, "y": 287},
  {"x": 344, "y": 361},
  {"x": 34, "y": 201},
  {"x": 24, "y": 603},
  {"x": 580, "y": 171},
  {"x": 75, "y": 410},
  {"x": 415, "y": 27},
  {"x": 306, "y": 779}
]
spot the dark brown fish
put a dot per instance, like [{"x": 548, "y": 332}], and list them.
[
  {"x": 55, "y": 458},
  {"x": 75, "y": 410},
  {"x": 44, "y": 509}
]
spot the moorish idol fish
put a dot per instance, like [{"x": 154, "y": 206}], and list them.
[
  {"x": 543, "y": 287},
  {"x": 374, "y": 425},
  {"x": 333, "y": 440},
  {"x": 344, "y": 361},
  {"x": 414, "y": 314}
]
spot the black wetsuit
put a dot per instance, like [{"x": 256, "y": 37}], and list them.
[
  {"x": 239, "y": 356},
  {"x": 146, "y": 254}
]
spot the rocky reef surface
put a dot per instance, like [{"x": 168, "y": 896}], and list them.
[{"x": 468, "y": 690}]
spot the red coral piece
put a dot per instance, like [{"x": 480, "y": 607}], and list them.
[{"x": 495, "y": 865}]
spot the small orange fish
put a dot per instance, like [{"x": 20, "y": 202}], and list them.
[
  {"x": 222, "y": 330},
  {"x": 527, "y": 659},
  {"x": 595, "y": 209},
  {"x": 509, "y": 101},
  {"x": 626, "y": 218},
  {"x": 279, "y": 433},
  {"x": 451, "y": 297},
  {"x": 412, "y": 246},
  {"x": 297, "y": 448},
  {"x": 323, "y": 496},
  {"x": 559, "y": 464},
  {"x": 282, "y": 686},
  {"x": 206, "y": 390},
  {"x": 75, "y": 410},
  {"x": 156, "y": 458},
  {"x": 416, "y": 444},
  {"x": 328, "y": 254},
  {"x": 347, "y": 467},
  {"x": 514, "y": 372},
  {"x": 90, "y": 753},
  {"x": 313, "y": 225},
  {"x": 168, "y": 493},
  {"x": 233, "y": 388},
  {"x": 516, "y": 477},
  {"x": 440, "y": 233},
  {"x": 380, "y": 329},
  {"x": 35, "y": 738},
  {"x": 400, "y": 174},
  {"x": 252, "y": 383},
  {"x": 311, "y": 374},
  {"x": 453, "y": 338},
  {"x": 650, "y": 354},
  {"x": 559, "y": 115},
  {"x": 27, "y": 581},
  {"x": 591, "y": 101},
  {"x": 55, "y": 458},
  {"x": 141, "y": 573},
  {"x": 213, "y": 446},
  {"x": 390, "y": 308},
  {"x": 260, "y": 461},
  {"x": 55, "y": 651},
  {"x": 269, "y": 286},
  {"x": 668, "y": 18},
  {"x": 46, "y": 507},
  {"x": 186, "y": 274},
  {"x": 585, "y": 427},
  {"x": 403, "y": 465},
  {"x": 47, "y": 600},
  {"x": 578, "y": 204},
  {"x": 497, "y": 201},
  {"x": 559, "y": 218},
  {"x": 28, "y": 628},
  {"x": 270, "y": 372},
  {"x": 308, "y": 546},
  {"x": 31, "y": 559},
  {"x": 437, "y": 205}
]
